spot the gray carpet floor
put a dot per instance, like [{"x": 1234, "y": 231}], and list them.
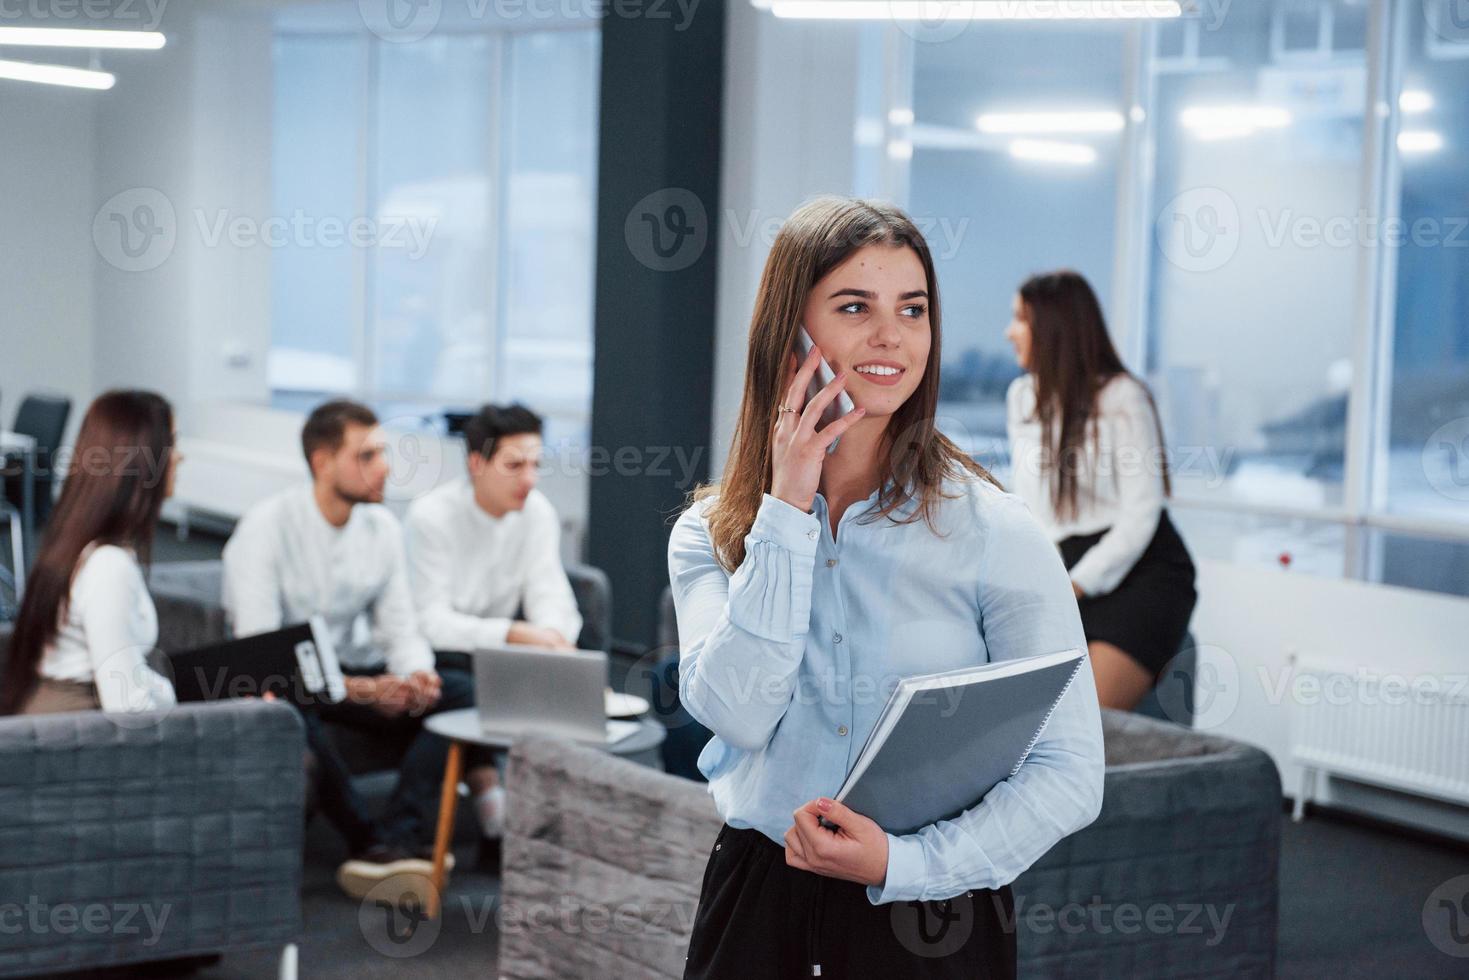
[{"x": 1351, "y": 899}]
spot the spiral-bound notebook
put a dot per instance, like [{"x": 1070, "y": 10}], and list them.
[{"x": 944, "y": 740}]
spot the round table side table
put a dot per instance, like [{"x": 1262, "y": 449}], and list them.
[{"x": 461, "y": 728}]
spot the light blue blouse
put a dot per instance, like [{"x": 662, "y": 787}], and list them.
[{"x": 790, "y": 660}]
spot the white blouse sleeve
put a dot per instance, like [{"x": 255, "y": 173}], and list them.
[
  {"x": 121, "y": 630},
  {"x": 742, "y": 636},
  {"x": 1128, "y": 427},
  {"x": 431, "y": 573},
  {"x": 549, "y": 599}
]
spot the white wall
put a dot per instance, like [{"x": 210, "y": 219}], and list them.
[
  {"x": 46, "y": 253},
  {"x": 190, "y": 127},
  {"x": 142, "y": 151},
  {"x": 229, "y": 300}
]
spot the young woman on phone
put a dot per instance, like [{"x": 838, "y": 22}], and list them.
[
  {"x": 87, "y": 621},
  {"x": 806, "y": 584},
  {"x": 1087, "y": 452}
]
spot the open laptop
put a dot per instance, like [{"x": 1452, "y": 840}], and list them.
[{"x": 523, "y": 690}]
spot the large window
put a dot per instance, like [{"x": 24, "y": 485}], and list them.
[
  {"x": 1015, "y": 142},
  {"x": 1288, "y": 270},
  {"x": 315, "y": 296},
  {"x": 464, "y": 273},
  {"x": 1428, "y": 411},
  {"x": 1258, "y": 128}
]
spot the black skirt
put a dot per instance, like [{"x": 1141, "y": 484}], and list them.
[
  {"x": 1147, "y": 615},
  {"x": 760, "y": 918}
]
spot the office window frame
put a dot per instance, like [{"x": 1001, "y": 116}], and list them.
[
  {"x": 1363, "y": 514},
  {"x": 364, "y": 315}
]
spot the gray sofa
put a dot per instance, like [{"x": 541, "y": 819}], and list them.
[
  {"x": 1176, "y": 878},
  {"x": 143, "y": 838}
]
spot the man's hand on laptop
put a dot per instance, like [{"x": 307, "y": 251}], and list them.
[{"x": 526, "y": 634}]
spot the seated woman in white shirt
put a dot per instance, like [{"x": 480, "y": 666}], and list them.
[
  {"x": 1088, "y": 457},
  {"x": 87, "y": 622},
  {"x": 806, "y": 583}
]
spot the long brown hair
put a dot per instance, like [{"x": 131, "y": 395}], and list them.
[
  {"x": 114, "y": 488},
  {"x": 1072, "y": 359},
  {"x": 818, "y": 237}
]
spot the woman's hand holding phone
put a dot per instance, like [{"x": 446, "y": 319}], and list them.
[{"x": 798, "y": 448}]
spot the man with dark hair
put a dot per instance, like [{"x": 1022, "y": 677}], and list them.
[
  {"x": 330, "y": 549},
  {"x": 326, "y": 426},
  {"x": 480, "y": 549}
]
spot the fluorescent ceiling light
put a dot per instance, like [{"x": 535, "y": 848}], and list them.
[
  {"x": 25, "y": 71},
  {"x": 1216, "y": 133},
  {"x": 900, "y": 117},
  {"x": 936, "y": 11},
  {"x": 900, "y": 149},
  {"x": 1415, "y": 100},
  {"x": 1050, "y": 122},
  {"x": 1049, "y": 151},
  {"x": 1235, "y": 116},
  {"x": 67, "y": 37},
  {"x": 1419, "y": 141}
]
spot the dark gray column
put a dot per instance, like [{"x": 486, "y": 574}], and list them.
[{"x": 658, "y": 196}]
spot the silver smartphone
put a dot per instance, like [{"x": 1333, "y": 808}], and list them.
[{"x": 824, "y": 376}]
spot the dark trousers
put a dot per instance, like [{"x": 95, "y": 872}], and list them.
[
  {"x": 408, "y": 819},
  {"x": 330, "y": 784},
  {"x": 759, "y": 917}
]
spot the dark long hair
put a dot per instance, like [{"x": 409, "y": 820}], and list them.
[
  {"x": 114, "y": 488},
  {"x": 815, "y": 239},
  {"x": 1072, "y": 359}
]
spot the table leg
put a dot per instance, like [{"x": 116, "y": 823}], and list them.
[{"x": 448, "y": 803}]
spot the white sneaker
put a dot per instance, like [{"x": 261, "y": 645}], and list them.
[{"x": 360, "y": 875}]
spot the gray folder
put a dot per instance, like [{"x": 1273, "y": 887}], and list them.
[{"x": 944, "y": 740}]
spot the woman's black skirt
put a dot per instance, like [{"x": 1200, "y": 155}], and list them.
[
  {"x": 1147, "y": 615},
  {"x": 760, "y": 918}
]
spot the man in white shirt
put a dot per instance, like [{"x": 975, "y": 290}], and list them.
[
  {"x": 485, "y": 550},
  {"x": 330, "y": 549}
]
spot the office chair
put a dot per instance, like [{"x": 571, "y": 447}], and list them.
[
  {"x": 43, "y": 418},
  {"x": 15, "y": 579}
]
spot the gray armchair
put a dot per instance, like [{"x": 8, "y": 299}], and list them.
[
  {"x": 140, "y": 838},
  {"x": 1189, "y": 833}
]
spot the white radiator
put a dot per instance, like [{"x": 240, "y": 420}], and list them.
[{"x": 1408, "y": 732}]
